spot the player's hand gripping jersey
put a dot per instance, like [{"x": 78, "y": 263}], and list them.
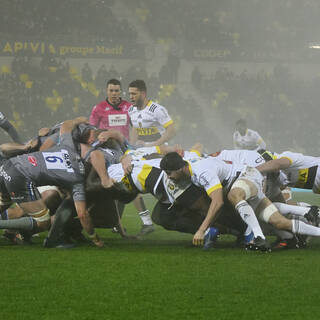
[{"x": 150, "y": 122}]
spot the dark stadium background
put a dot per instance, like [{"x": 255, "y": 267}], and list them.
[{"x": 209, "y": 62}]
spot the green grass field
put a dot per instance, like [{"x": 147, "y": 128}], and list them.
[{"x": 160, "y": 277}]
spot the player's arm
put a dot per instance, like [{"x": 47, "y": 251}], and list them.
[
  {"x": 98, "y": 163},
  {"x": 216, "y": 197},
  {"x": 68, "y": 125},
  {"x": 10, "y": 147},
  {"x": 167, "y": 135},
  {"x": 133, "y": 135},
  {"x": 43, "y": 132},
  {"x": 9, "y": 128},
  {"x": 86, "y": 222},
  {"x": 111, "y": 134},
  {"x": 164, "y": 149},
  {"x": 48, "y": 143},
  {"x": 275, "y": 165},
  {"x": 126, "y": 162}
]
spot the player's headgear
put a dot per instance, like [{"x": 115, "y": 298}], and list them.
[
  {"x": 81, "y": 132},
  {"x": 172, "y": 161}
]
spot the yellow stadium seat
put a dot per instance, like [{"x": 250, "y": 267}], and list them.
[
  {"x": 5, "y": 69},
  {"x": 28, "y": 84},
  {"x": 23, "y": 77}
]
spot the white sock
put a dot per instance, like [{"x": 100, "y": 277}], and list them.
[
  {"x": 248, "y": 216},
  {"x": 285, "y": 209},
  {"x": 303, "y": 204},
  {"x": 145, "y": 217},
  {"x": 248, "y": 231},
  {"x": 301, "y": 227}
]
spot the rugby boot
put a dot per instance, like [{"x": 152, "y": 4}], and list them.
[
  {"x": 313, "y": 216},
  {"x": 146, "y": 229},
  {"x": 259, "y": 244},
  {"x": 210, "y": 238},
  {"x": 285, "y": 244}
]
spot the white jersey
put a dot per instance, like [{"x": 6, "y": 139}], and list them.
[
  {"x": 140, "y": 153},
  {"x": 145, "y": 175},
  {"x": 303, "y": 171},
  {"x": 213, "y": 174},
  {"x": 250, "y": 141},
  {"x": 248, "y": 157},
  {"x": 150, "y": 122},
  {"x": 208, "y": 173},
  {"x": 253, "y": 159},
  {"x": 141, "y": 171}
]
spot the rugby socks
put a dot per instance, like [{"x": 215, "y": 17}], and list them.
[
  {"x": 145, "y": 217},
  {"x": 303, "y": 204},
  {"x": 62, "y": 216},
  {"x": 285, "y": 209},
  {"x": 248, "y": 216},
  {"x": 248, "y": 235},
  {"x": 24, "y": 223},
  {"x": 301, "y": 227}
]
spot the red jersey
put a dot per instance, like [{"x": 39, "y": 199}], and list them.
[{"x": 105, "y": 116}]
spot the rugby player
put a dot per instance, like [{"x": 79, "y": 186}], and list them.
[
  {"x": 9, "y": 128},
  {"x": 300, "y": 171},
  {"x": 243, "y": 186},
  {"x": 244, "y": 138},
  {"x": 112, "y": 113},
  {"x": 60, "y": 166},
  {"x": 151, "y": 126}
]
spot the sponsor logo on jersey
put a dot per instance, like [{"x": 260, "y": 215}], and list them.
[
  {"x": 117, "y": 120},
  {"x": 147, "y": 131},
  {"x": 203, "y": 180},
  {"x": 33, "y": 161},
  {"x": 4, "y": 174},
  {"x": 107, "y": 109},
  {"x": 67, "y": 160},
  {"x": 153, "y": 107}
]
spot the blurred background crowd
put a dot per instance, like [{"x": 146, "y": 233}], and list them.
[{"x": 208, "y": 62}]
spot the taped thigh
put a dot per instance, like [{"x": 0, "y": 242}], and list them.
[
  {"x": 243, "y": 185},
  {"x": 41, "y": 216},
  {"x": 267, "y": 212}
]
